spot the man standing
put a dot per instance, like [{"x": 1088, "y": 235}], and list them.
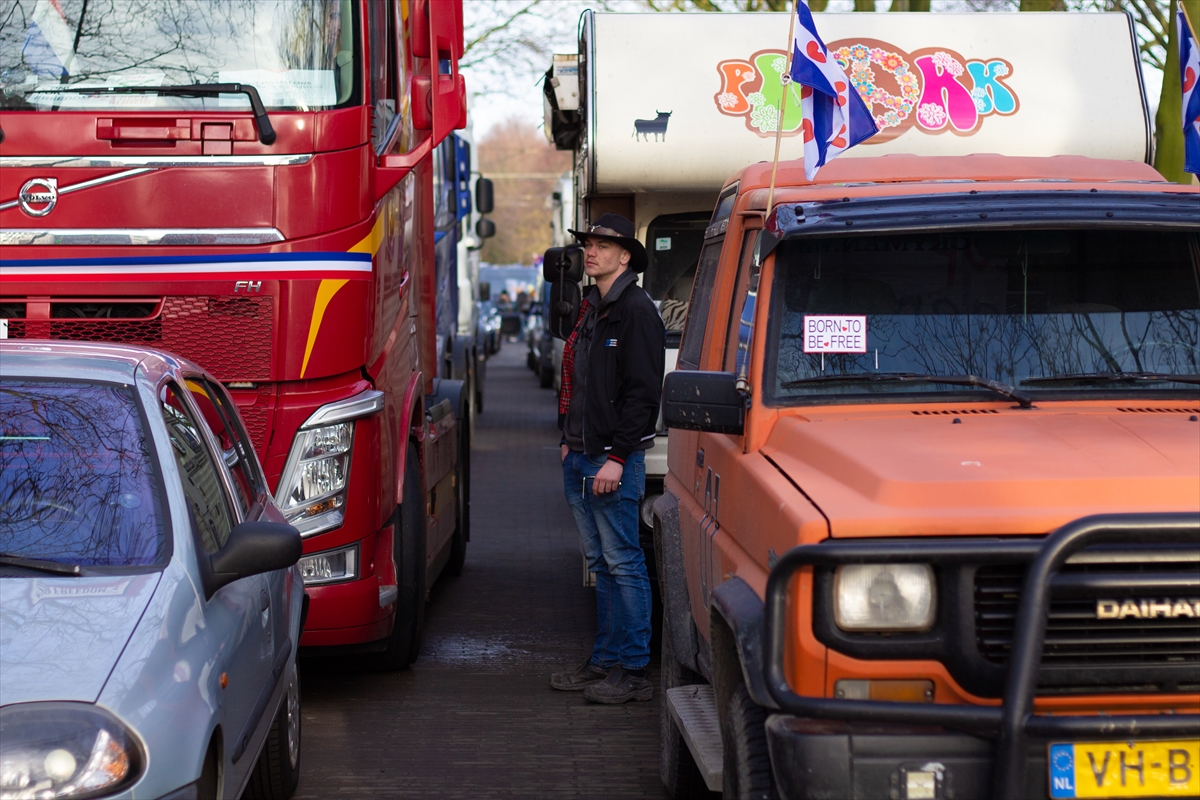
[{"x": 611, "y": 381}]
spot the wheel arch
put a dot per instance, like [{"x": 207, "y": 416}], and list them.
[
  {"x": 672, "y": 580},
  {"x": 736, "y": 631}
]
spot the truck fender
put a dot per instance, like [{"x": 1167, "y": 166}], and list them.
[
  {"x": 446, "y": 390},
  {"x": 672, "y": 579},
  {"x": 412, "y": 415},
  {"x": 459, "y": 356},
  {"x": 741, "y": 611}
]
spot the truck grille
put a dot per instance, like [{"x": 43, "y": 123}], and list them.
[
  {"x": 232, "y": 337},
  {"x": 1074, "y": 635}
]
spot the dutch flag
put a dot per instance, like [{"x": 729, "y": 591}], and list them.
[
  {"x": 835, "y": 117},
  {"x": 1189, "y": 74}
]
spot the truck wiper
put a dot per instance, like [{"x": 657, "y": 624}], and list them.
[
  {"x": 1011, "y": 392},
  {"x": 39, "y": 565},
  {"x": 1112, "y": 377},
  {"x": 266, "y": 133}
]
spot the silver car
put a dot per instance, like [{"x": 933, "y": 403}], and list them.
[{"x": 150, "y": 606}]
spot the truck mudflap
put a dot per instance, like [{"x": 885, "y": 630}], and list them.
[{"x": 1012, "y": 727}]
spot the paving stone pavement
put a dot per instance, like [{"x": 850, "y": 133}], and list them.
[{"x": 474, "y": 716}]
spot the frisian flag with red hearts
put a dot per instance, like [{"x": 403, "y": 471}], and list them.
[
  {"x": 1189, "y": 74},
  {"x": 835, "y": 116}
]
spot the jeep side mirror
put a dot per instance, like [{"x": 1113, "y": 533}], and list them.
[
  {"x": 703, "y": 401},
  {"x": 485, "y": 199},
  {"x": 485, "y": 228},
  {"x": 252, "y": 549},
  {"x": 485, "y": 291}
]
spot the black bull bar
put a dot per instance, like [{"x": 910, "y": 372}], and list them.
[{"x": 1013, "y": 721}]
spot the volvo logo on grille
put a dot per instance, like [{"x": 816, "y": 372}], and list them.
[
  {"x": 38, "y": 196},
  {"x": 1148, "y": 609}
]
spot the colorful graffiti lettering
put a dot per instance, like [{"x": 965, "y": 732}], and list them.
[{"x": 934, "y": 90}]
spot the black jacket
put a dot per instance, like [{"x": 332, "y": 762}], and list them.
[{"x": 623, "y": 375}]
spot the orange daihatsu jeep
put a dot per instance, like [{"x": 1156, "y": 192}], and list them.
[{"x": 931, "y": 527}]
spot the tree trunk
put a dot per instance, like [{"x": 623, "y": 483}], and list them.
[
  {"x": 818, "y": 5},
  {"x": 909, "y": 5},
  {"x": 864, "y": 5},
  {"x": 1043, "y": 5}
]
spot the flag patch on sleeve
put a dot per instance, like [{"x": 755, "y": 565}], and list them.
[{"x": 611, "y": 343}]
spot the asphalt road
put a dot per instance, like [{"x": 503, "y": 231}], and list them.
[{"x": 475, "y": 717}]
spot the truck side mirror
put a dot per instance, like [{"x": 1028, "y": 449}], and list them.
[
  {"x": 703, "y": 401},
  {"x": 485, "y": 228},
  {"x": 565, "y": 299},
  {"x": 485, "y": 199},
  {"x": 485, "y": 291},
  {"x": 563, "y": 264}
]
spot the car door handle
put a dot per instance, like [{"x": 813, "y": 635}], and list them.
[{"x": 264, "y": 601}]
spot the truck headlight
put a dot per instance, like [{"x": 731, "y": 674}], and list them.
[
  {"x": 312, "y": 489},
  {"x": 884, "y": 597},
  {"x": 67, "y": 750}
]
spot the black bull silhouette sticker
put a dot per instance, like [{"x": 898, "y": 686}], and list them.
[{"x": 642, "y": 128}]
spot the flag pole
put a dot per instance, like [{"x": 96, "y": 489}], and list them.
[
  {"x": 787, "y": 87},
  {"x": 1190, "y": 24}
]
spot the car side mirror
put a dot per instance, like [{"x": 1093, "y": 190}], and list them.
[
  {"x": 485, "y": 228},
  {"x": 252, "y": 549},
  {"x": 485, "y": 199},
  {"x": 703, "y": 401},
  {"x": 485, "y": 292}
]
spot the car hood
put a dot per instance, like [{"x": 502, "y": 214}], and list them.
[
  {"x": 61, "y": 637},
  {"x": 997, "y": 472}
]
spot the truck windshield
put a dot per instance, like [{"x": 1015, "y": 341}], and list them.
[
  {"x": 78, "y": 481},
  {"x": 299, "y": 54},
  {"x": 1037, "y": 311}
]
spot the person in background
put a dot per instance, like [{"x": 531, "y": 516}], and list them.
[{"x": 612, "y": 377}]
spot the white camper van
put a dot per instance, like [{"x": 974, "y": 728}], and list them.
[{"x": 660, "y": 109}]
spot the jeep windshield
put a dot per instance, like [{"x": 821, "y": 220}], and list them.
[
  {"x": 1062, "y": 313},
  {"x": 79, "y": 485},
  {"x": 298, "y": 54}
]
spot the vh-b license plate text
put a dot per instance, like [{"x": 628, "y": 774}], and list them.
[{"x": 1125, "y": 769}]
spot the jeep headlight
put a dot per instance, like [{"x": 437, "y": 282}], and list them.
[
  {"x": 67, "y": 750},
  {"x": 884, "y": 597},
  {"x": 312, "y": 489}
]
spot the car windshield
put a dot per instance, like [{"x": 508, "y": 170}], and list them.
[
  {"x": 78, "y": 481},
  {"x": 1081, "y": 311},
  {"x": 299, "y": 54}
]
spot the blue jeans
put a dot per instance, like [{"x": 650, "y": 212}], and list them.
[{"x": 608, "y": 526}]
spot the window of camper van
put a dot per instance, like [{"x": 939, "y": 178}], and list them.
[
  {"x": 673, "y": 244},
  {"x": 1045, "y": 312}
]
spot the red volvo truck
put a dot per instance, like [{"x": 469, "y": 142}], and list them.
[{"x": 251, "y": 184}]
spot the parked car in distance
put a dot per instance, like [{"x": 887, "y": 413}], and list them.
[
  {"x": 150, "y": 591},
  {"x": 541, "y": 343},
  {"x": 489, "y": 323}
]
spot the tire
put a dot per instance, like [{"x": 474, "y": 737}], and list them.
[
  {"x": 546, "y": 377},
  {"x": 277, "y": 772},
  {"x": 408, "y": 550},
  {"x": 680, "y": 776},
  {"x": 531, "y": 361},
  {"x": 747, "y": 762},
  {"x": 462, "y": 530}
]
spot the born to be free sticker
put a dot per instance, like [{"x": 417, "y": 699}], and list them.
[{"x": 835, "y": 333}]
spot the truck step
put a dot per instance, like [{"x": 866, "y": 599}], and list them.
[{"x": 695, "y": 713}]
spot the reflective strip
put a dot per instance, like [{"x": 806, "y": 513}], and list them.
[{"x": 139, "y": 236}]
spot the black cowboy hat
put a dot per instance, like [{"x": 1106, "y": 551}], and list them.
[{"x": 616, "y": 228}]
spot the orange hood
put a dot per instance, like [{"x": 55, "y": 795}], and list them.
[{"x": 916, "y": 471}]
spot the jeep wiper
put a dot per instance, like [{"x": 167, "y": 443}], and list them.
[
  {"x": 39, "y": 565},
  {"x": 1011, "y": 392},
  {"x": 266, "y": 133},
  {"x": 1113, "y": 377}
]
